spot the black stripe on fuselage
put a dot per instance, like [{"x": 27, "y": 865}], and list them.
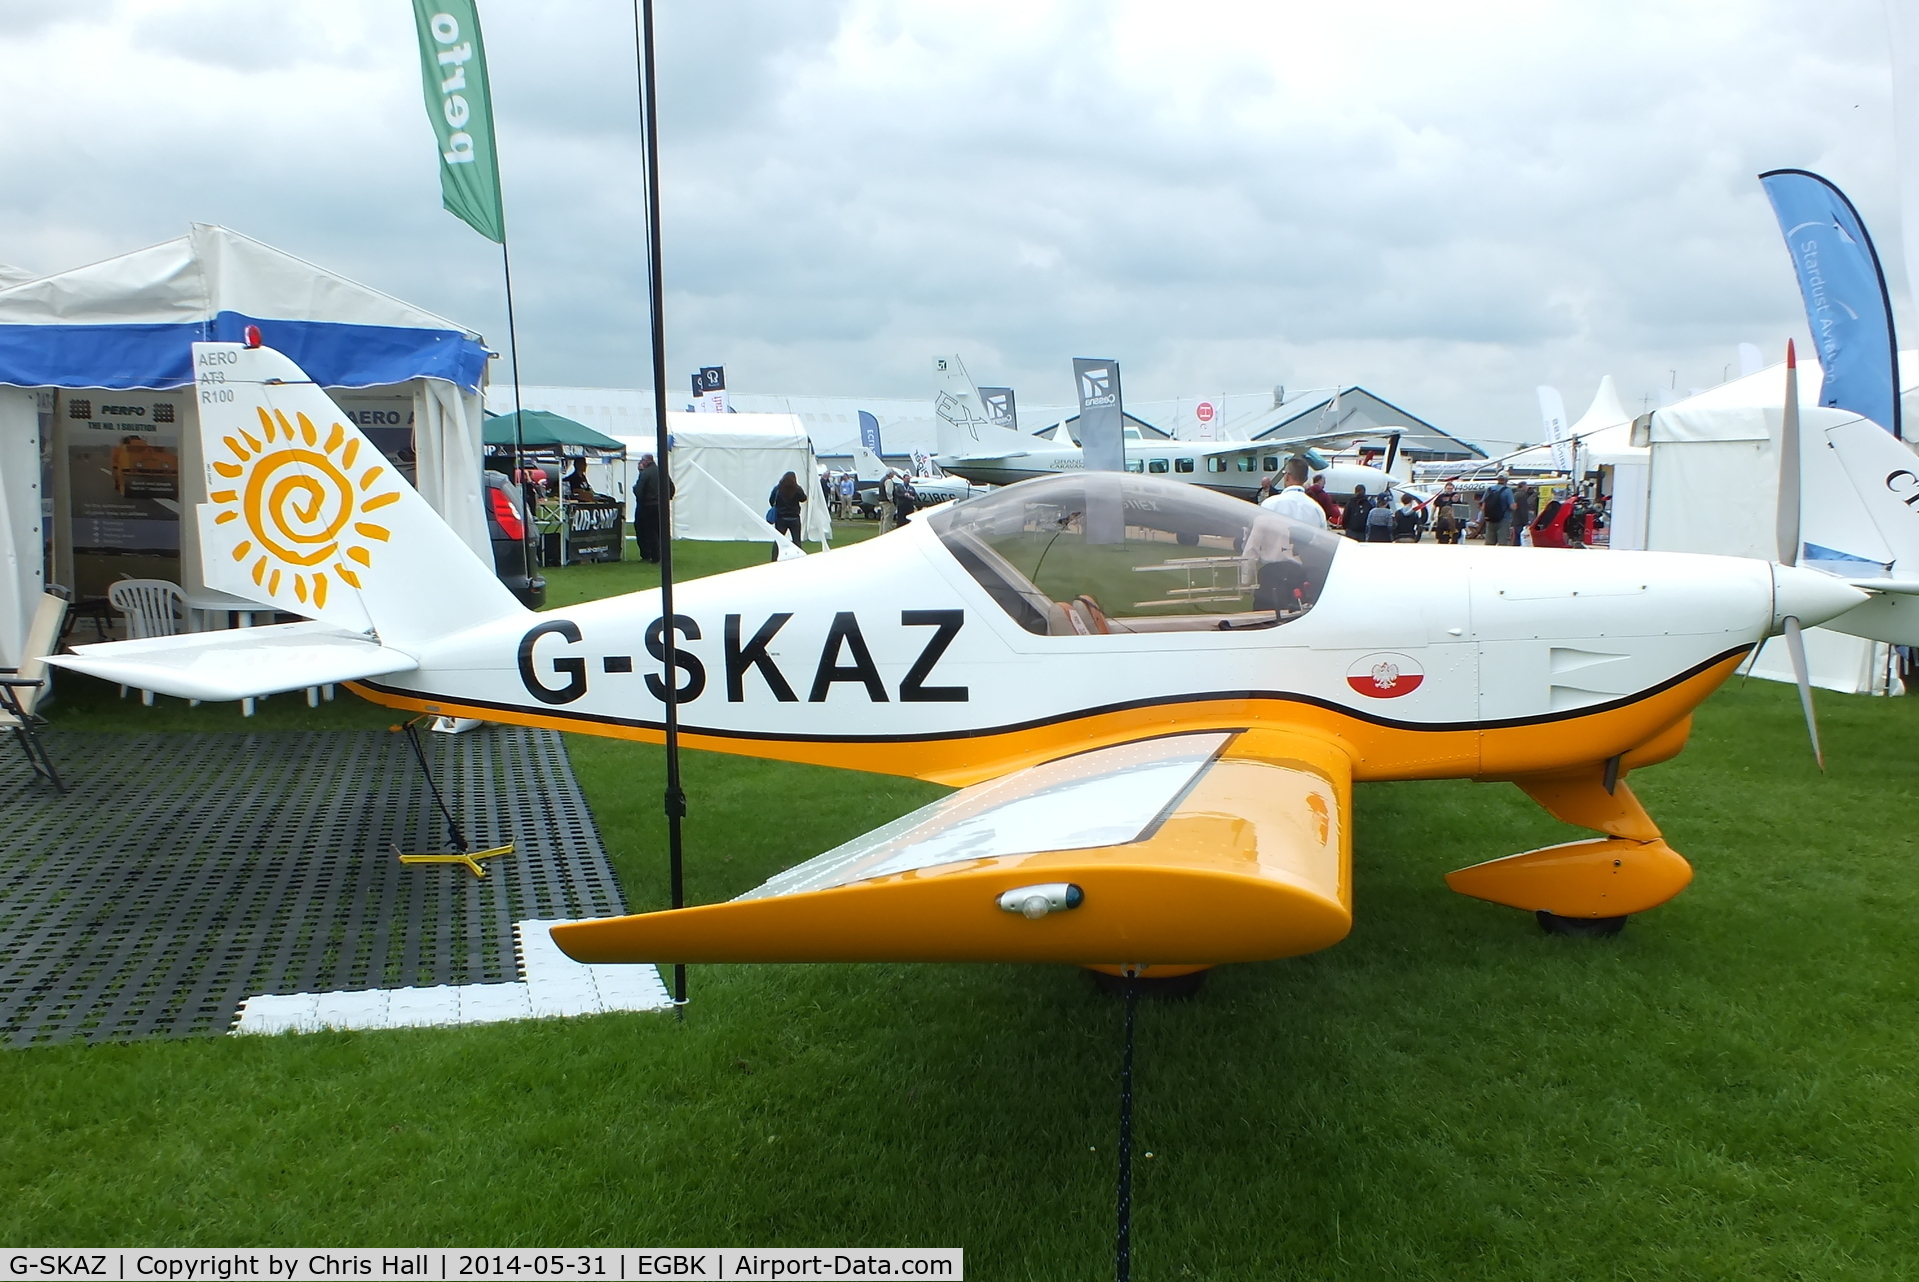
[{"x": 1215, "y": 696}]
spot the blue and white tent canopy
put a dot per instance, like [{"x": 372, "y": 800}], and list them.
[{"x": 127, "y": 322}]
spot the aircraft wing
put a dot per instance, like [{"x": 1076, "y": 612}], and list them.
[
  {"x": 240, "y": 663},
  {"x": 961, "y": 460},
  {"x": 1184, "y": 849},
  {"x": 1346, "y": 436}
]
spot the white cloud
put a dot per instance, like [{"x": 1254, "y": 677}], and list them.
[{"x": 1448, "y": 203}]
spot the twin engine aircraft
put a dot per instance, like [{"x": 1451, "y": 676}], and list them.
[{"x": 1153, "y": 700}]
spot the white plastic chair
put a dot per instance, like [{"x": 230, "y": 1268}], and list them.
[
  {"x": 152, "y": 608},
  {"x": 24, "y": 686}
]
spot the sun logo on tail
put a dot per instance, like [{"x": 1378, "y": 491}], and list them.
[{"x": 302, "y": 504}]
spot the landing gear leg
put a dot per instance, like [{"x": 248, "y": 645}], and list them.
[{"x": 1584, "y": 888}]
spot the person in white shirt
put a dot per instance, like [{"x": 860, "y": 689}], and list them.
[{"x": 1293, "y": 501}]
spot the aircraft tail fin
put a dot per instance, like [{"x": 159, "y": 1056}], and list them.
[
  {"x": 305, "y": 515},
  {"x": 867, "y": 466},
  {"x": 1884, "y": 477},
  {"x": 1860, "y": 521},
  {"x": 966, "y": 429}
]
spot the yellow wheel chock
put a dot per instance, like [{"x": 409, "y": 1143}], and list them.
[{"x": 471, "y": 860}]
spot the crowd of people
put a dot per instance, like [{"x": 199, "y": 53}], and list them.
[{"x": 1503, "y": 515}]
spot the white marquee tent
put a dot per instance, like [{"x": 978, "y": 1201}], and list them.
[
  {"x": 1715, "y": 487},
  {"x": 723, "y": 467},
  {"x": 100, "y": 355}
]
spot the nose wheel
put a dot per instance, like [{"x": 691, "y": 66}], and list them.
[
  {"x": 1167, "y": 986},
  {"x": 1580, "y": 927}
]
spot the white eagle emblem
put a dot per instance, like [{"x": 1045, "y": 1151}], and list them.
[{"x": 1385, "y": 675}]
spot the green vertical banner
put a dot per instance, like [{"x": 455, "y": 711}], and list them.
[{"x": 458, "y": 102}]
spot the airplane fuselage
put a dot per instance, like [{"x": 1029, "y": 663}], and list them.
[{"x": 1422, "y": 661}]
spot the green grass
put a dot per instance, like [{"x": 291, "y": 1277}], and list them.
[
  {"x": 572, "y": 584},
  {"x": 1725, "y": 1090}
]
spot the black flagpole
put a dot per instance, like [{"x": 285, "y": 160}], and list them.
[
  {"x": 527, "y": 537},
  {"x": 669, "y": 638}
]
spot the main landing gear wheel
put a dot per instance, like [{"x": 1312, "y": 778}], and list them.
[
  {"x": 1170, "y": 987},
  {"x": 1580, "y": 927}
]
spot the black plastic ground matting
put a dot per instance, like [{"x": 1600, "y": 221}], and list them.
[{"x": 182, "y": 874}]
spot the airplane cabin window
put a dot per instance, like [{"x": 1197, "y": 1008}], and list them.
[
  {"x": 1269, "y": 464},
  {"x": 1215, "y": 464},
  {"x": 1245, "y": 462},
  {"x": 1108, "y": 553},
  {"x": 1182, "y": 465},
  {"x": 1135, "y": 465},
  {"x": 1156, "y": 465}
]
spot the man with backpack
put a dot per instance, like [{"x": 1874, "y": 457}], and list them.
[
  {"x": 1496, "y": 510},
  {"x": 1379, "y": 520}
]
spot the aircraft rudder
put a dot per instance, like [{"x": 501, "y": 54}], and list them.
[{"x": 305, "y": 514}]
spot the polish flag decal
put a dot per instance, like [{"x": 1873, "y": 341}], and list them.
[{"x": 1385, "y": 676}]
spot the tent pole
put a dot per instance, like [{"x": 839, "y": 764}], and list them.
[
  {"x": 527, "y": 537},
  {"x": 656, "y": 315}
]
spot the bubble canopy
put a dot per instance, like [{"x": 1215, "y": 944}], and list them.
[{"x": 1112, "y": 552}]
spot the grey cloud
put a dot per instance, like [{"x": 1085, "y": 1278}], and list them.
[{"x": 850, "y": 188}]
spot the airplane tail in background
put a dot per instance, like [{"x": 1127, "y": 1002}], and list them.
[
  {"x": 966, "y": 430},
  {"x": 1883, "y": 476},
  {"x": 1860, "y": 521},
  {"x": 867, "y": 466},
  {"x": 305, "y": 515}
]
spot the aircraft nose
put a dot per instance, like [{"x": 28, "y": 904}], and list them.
[{"x": 1809, "y": 596}]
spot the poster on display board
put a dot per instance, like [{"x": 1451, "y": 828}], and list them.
[{"x": 123, "y": 472}]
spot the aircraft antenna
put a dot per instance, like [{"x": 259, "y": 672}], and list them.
[{"x": 656, "y": 317}]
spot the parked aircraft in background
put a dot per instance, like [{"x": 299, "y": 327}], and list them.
[
  {"x": 1153, "y": 699},
  {"x": 972, "y": 446}
]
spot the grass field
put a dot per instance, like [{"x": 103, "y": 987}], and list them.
[{"x": 1725, "y": 1090}]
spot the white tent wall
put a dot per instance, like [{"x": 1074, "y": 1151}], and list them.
[
  {"x": 1631, "y": 484},
  {"x": 746, "y": 455},
  {"x": 1714, "y": 488},
  {"x": 21, "y": 549},
  {"x": 446, "y": 444}
]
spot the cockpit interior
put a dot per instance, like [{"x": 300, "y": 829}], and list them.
[{"x": 1110, "y": 552}]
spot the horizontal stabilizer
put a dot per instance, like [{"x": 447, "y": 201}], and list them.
[
  {"x": 1187, "y": 849},
  {"x": 243, "y": 663}
]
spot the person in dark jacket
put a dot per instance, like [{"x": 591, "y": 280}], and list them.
[
  {"x": 785, "y": 500},
  {"x": 646, "y": 508},
  {"x": 1409, "y": 521},
  {"x": 1355, "y": 515}
]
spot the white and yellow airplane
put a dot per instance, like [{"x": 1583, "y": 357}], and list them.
[{"x": 1154, "y": 700}]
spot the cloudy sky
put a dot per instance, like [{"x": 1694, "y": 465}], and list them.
[{"x": 1448, "y": 203}]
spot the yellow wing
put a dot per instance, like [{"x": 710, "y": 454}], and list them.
[{"x": 1183, "y": 850}]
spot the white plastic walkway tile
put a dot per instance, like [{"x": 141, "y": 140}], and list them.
[
  {"x": 278, "y": 1013},
  {"x": 366, "y": 1008},
  {"x": 423, "y": 1007},
  {"x": 553, "y": 986},
  {"x": 494, "y": 1003}
]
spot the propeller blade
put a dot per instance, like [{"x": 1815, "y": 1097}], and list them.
[
  {"x": 1789, "y": 470},
  {"x": 1796, "y": 646}
]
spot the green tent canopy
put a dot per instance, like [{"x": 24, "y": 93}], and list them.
[{"x": 544, "y": 431}]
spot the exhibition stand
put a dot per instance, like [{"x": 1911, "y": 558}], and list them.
[
  {"x": 100, "y": 463},
  {"x": 572, "y": 529}
]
